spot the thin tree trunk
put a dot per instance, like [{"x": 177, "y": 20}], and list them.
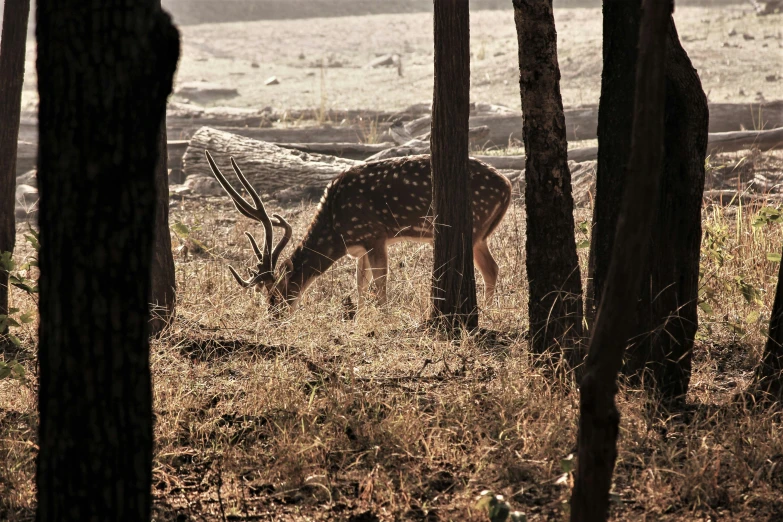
[
  {"x": 12, "y": 54},
  {"x": 163, "y": 293},
  {"x": 555, "y": 284},
  {"x": 767, "y": 384},
  {"x": 668, "y": 314},
  {"x": 105, "y": 68},
  {"x": 599, "y": 419},
  {"x": 453, "y": 280}
]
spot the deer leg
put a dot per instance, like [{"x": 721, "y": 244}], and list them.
[
  {"x": 363, "y": 275},
  {"x": 488, "y": 268},
  {"x": 378, "y": 259}
]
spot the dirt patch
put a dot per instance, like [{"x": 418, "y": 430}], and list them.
[
  {"x": 320, "y": 62},
  {"x": 187, "y": 12}
]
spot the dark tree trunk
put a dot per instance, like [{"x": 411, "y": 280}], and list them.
[
  {"x": 12, "y": 53},
  {"x": 767, "y": 384},
  {"x": 105, "y": 69},
  {"x": 599, "y": 419},
  {"x": 615, "y": 110},
  {"x": 668, "y": 316},
  {"x": 163, "y": 296},
  {"x": 667, "y": 308},
  {"x": 453, "y": 280},
  {"x": 555, "y": 295}
]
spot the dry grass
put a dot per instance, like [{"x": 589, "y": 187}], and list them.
[{"x": 316, "y": 418}]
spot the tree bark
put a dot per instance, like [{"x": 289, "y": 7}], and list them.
[
  {"x": 12, "y": 54},
  {"x": 618, "y": 80},
  {"x": 599, "y": 418},
  {"x": 555, "y": 284},
  {"x": 767, "y": 386},
  {"x": 163, "y": 287},
  {"x": 453, "y": 281},
  {"x": 105, "y": 69},
  {"x": 667, "y": 312},
  {"x": 666, "y": 319}
]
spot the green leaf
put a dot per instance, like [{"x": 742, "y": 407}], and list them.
[
  {"x": 583, "y": 244},
  {"x": 199, "y": 244},
  {"x": 6, "y": 322},
  {"x": 736, "y": 328},
  {"x": 12, "y": 369},
  {"x": 706, "y": 308},
  {"x": 7, "y": 261},
  {"x": 17, "y": 370},
  {"x": 748, "y": 291},
  {"x": 33, "y": 240},
  {"x": 773, "y": 256},
  {"x": 584, "y": 226},
  {"x": 22, "y": 285},
  {"x": 181, "y": 229},
  {"x": 28, "y": 317},
  {"x": 33, "y": 232},
  {"x": 767, "y": 215},
  {"x": 752, "y": 317}
]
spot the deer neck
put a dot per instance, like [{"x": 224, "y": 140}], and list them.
[{"x": 317, "y": 252}]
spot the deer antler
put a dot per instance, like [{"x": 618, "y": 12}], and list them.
[{"x": 267, "y": 260}]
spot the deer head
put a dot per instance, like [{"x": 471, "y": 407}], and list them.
[{"x": 264, "y": 276}]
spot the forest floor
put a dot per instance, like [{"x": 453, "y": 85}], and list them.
[{"x": 322, "y": 418}]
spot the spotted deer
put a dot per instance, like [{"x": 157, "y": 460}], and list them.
[{"x": 364, "y": 210}]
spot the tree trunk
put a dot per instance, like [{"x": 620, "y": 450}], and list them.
[
  {"x": 767, "y": 384},
  {"x": 163, "y": 292},
  {"x": 555, "y": 284},
  {"x": 12, "y": 54},
  {"x": 599, "y": 419},
  {"x": 667, "y": 313},
  {"x": 105, "y": 69},
  {"x": 618, "y": 80},
  {"x": 453, "y": 280}
]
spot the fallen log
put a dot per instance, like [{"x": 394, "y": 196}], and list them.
[
  {"x": 717, "y": 142},
  {"x": 501, "y": 128},
  {"x": 742, "y": 140},
  {"x": 355, "y": 151},
  {"x": 270, "y": 168},
  {"x": 286, "y": 174},
  {"x": 582, "y": 123},
  {"x": 26, "y": 156}
]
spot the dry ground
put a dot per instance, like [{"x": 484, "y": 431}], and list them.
[
  {"x": 319, "y": 418},
  {"x": 731, "y": 67}
]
